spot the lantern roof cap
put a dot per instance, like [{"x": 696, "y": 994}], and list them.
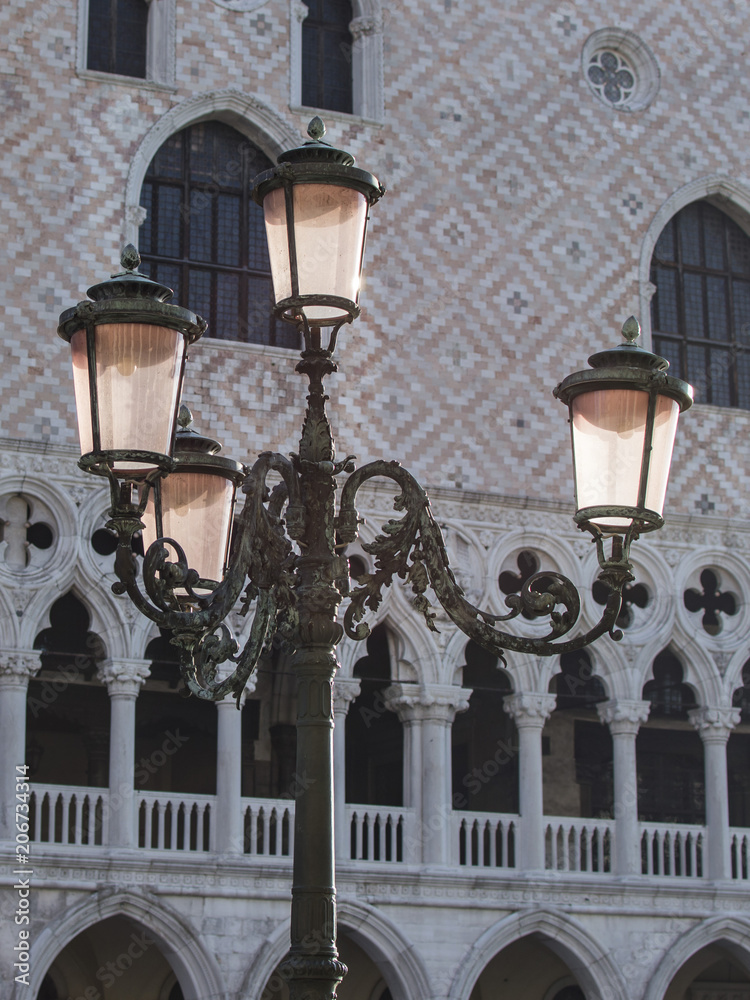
[
  {"x": 199, "y": 451},
  {"x": 315, "y": 149},
  {"x": 189, "y": 440},
  {"x": 629, "y": 353},
  {"x": 129, "y": 283},
  {"x": 627, "y": 366}
]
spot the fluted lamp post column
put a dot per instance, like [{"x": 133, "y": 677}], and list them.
[{"x": 287, "y": 565}]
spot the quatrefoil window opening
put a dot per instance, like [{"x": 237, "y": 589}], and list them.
[
  {"x": 21, "y": 532},
  {"x": 633, "y": 594},
  {"x": 611, "y": 77},
  {"x": 712, "y": 601},
  {"x": 104, "y": 542},
  {"x": 512, "y": 583}
]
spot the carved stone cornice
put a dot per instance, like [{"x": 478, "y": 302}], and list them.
[
  {"x": 368, "y": 24},
  {"x": 714, "y": 723},
  {"x": 529, "y": 709},
  {"x": 124, "y": 677},
  {"x": 624, "y": 716},
  {"x": 17, "y": 666},
  {"x": 426, "y": 702}
]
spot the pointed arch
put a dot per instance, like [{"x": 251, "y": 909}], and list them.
[
  {"x": 732, "y": 197},
  {"x": 262, "y": 126},
  {"x": 195, "y": 967},
  {"x": 393, "y": 953},
  {"x": 730, "y": 932},
  {"x": 592, "y": 966}
]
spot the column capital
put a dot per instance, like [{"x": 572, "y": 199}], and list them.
[
  {"x": 367, "y": 24},
  {"x": 624, "y": 716},
  {"x": 299, "y": 11},
  {"x": 17, "y": 666},
  {"x": 529, "y": 709},
  {"x": 714, "y": 723},
  {"x": 345, "y": 690},
  {"x": 123, "y": 677},
  {"x": 427, "y": 702}
]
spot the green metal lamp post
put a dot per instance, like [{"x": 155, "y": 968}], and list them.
[{"x": 288, "y": 563}]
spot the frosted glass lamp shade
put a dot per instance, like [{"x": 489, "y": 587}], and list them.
[
  {"x": 193, "y": 505},
  {"x": 128, "y": 346},
  {"x": 611, "y": 447},
  {"x": 315, "y": 205},
  {"x": 623, "y": 418},
  {"x": 138, "y": 369},
  {"x": 196, "y": 511},
  {"x": 320, "y": 259}
]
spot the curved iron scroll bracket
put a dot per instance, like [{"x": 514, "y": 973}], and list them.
[
  {"x": 261, "y": 565},
  {"x": 413, "y": 549}
]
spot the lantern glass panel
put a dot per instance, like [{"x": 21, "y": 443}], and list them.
[
  {"x": 82, "y": 388},
  {"x": 665, "y": 428},
  {"x": 609, "y": 430},
  {"x": 138, "y": 380},
  {"x": 329, "y": 231},
  {"x": 196, "y": 513}
]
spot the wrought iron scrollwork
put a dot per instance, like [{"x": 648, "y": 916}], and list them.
[
  {"x": 288, "y": 566},
  {"x": 413, "y": 549},
  {"x": 261, "y": 566}
]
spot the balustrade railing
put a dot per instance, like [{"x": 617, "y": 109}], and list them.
[
  {"x": 173, "y": 822},
  {"x": 378, "y": 833},
  {"x": 674, "y": 849},
  {"x": 79, "y": 816},
  {"x": 268, "y": 826},
  {"x": 485, "y": 840},
  {"x": 578, "y": 845},
  {"x": 739, "y": 848},
  {"x": 67, "y": 814}
]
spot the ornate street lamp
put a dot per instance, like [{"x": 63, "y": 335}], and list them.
[{"x": 288, "y": 558}]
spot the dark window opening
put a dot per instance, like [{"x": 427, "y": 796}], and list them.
[
  {"x": 67, "y": 708},
  {"x": 578, "y": 765},
  {"x": 711, "y": 601},
  {"x": 118, "y": 36},
  {"x": 511, "y": 583},
  {"x": 669, "y": 755},
  {"x": 327, "y": 56},
  {"x": 700, "y": 314},
  {"x": 484, "y": 740},
  {"x": 632, "y": 594},
  {"x": 669, "y": 697},
  {"x": 204, "y": 236},
  {"x": 575, "y": 685},
  {"x": 374, "y": 734}
]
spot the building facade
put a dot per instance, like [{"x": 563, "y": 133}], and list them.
[{"x": 551, "y": 829}]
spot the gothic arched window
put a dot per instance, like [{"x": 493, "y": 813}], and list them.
[
  {"x": 700, "y": 314},
  {"x": 327, "y": 55},
  {"x": 117, "y": 37},
  {"x": 204, "y": 236}
]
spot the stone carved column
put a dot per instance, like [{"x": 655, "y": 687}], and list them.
[
  {"x": 530, "y": 712},
  {"x": 299, "y": 12},
  {"x": 367, "y": 65},
  {"x": 624, "y": 718},
  {"x": 124, "y": 679},
  {"x": 345, "y": 690},
  {"x": 227, "y": 826},
  {"x": 17, "y": 666},
  {"x": 427, "y": 712},
  {"x": 714, "y": 724}
]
